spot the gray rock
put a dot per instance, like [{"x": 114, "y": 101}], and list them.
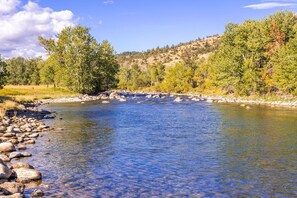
[
  {"x": 25, "y": 175},
  {"x": 9, "y": 188},
  {"x": 5, "y": 172},
  {"x": 19, "y": 155},
  {"x": 7, "y": 147}
]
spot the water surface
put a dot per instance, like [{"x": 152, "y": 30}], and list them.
[{"x": 166, "y": 149}]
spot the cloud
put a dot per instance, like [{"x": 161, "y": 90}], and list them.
[
  {"x": 21, "y": 26},
  {"x": 269, "y": 5},
  {"x": 108, "y": 2},
  {"x": 7, "y": 6}
]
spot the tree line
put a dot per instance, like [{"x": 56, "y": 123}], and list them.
[
  {"x": 253, "y": 58},
  {"x": 75, "y": 60}
]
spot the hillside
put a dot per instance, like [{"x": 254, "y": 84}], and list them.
[{"x": 169, "y": 56}]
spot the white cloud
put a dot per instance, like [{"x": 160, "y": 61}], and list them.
[
  {"x": 20, "y": 27},
  {"x": 108, "y": 2},
  {"x": 269, "y": 5},
  {"x": 7, "y": 6}
]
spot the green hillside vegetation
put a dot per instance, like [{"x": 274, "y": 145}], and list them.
[{"x": 253, "y": 58}]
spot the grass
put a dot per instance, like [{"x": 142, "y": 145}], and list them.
[{"x": 30, "y": 93}]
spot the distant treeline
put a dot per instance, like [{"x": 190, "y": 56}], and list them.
[
  {"x": 75, "y": 60},
  {"x": 256, "y": 57}
]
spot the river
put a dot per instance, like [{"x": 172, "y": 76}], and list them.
[{"x": 155, "y": 147}]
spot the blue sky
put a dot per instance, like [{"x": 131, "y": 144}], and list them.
[{"x": 137, "y": 25}]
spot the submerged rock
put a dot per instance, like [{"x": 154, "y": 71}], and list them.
[{"x": 37, "y": 193}]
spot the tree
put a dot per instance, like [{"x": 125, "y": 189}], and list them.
[
  {"x": 2, "y": 73},
  {"x": 82, "y": 64},
  {"x": 285, "y": 68},
  {"x": 177, "y": 79}
]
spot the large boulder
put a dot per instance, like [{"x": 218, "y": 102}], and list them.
[
  {"x": 6, "y": 147},
  {"x": 5, "y": 172},
  {"x": 25, "y": 175},
  {"x": 9, "y": 188}
]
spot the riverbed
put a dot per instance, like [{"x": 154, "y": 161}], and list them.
[{"x": 148, "y": 147}]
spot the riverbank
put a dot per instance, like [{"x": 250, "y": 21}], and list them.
[
  {"x": 120, "y": 95},
  {"x": 20, "y": 128}
]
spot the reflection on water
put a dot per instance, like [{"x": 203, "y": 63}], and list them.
[{"x": 167, "y": 149}]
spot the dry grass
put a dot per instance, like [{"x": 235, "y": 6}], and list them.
[
  {"x": 31, "y": 93},
  {"x": 7, "y": 105}
]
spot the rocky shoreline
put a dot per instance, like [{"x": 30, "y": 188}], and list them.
[
  {"x": 19, "y": 128},
  {"x": 123, "y": 95}
]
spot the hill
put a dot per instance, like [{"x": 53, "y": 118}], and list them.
[{"x": 169, "y": 56}]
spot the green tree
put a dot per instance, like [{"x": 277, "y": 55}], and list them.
[
  {"x": 2, "y": 73},
  {"x": 82, "y": 64},
  {"x": 177, "y": 79},
  {"x": 285, "y": 68}
]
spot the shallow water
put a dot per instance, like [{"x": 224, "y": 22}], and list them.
[{"x": 165, "y": 149}]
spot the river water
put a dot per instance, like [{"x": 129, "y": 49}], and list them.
[{"x": 155, "y": 147}]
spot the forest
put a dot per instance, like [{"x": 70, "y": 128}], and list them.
[{"x": 253, "y": 58}]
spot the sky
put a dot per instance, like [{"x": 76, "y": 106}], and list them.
[{"x": 129, "y": 25}]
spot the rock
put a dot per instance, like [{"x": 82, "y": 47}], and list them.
[
  {"x": 9, "y": 188},
  {"x": 4, "y": 158},
  {"x": 25, "y": 175},
  {"x": 105, "y": 102},
  {"x": 209, "y": 101},
  {"x": 19, "y": 155},
  {"x": 5, "y": 172},
  {"x": 178, "y": 99},
  {"x": 34, "y": 135},
  {"x": 37, "y": 193},
  {"x": 2, "y": 129},
  {"x": 9, "y": 129},
  {"x": 21, "y": 165},
  {"x": 46, "y": 186},
  {"x": 122, "y": 100},
  {"x": 29, "y": 142},
  {"x": 248, "y": 107},
  {"x": 7, "y": 147},
  {"x": 16, "y": 130},
  {"x": 22, "y": 147}
]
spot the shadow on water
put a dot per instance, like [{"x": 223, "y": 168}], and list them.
[{"x": 167, "y": 149}]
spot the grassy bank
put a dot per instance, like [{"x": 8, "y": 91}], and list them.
[
  {"x": 31, "y": 93},
  {"x": 11, "y": 95}
]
